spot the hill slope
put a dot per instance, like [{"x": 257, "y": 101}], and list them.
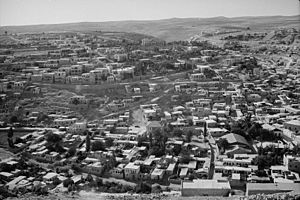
[{"x": 165, "y": 29}]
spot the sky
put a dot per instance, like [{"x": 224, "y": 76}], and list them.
[{"x": 27, "y": 12}]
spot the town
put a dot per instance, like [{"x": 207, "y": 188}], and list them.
[{"x": 117, "y": 112}]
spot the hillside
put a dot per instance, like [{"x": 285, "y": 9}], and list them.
[{"x": 165, "y": 29}]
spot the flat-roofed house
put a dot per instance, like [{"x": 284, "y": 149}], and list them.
[
  {"x": 293, "y": 125},
  {"x": 203, "y": 187},
  {"x": 132, "y": 171},
  {"x": 157, "y": 174},
  {"x": 271, "y": 188}
]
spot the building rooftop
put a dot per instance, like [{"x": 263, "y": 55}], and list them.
[
  {"x": 131, "y": 165},
  {"x": 208, "y": 184},
  {"x": 157, "y": 172}
]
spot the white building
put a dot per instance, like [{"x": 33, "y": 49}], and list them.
[{"x": 203, "y": 187}]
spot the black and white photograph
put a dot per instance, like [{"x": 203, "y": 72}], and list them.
[{"x": 149, "y": 99}]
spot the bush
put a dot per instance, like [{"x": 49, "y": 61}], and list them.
[{"x": 68, "y": 182}]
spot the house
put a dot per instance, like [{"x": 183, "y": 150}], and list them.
[
  {"x": 148, "y": 113},
  {"x": 13, "y": 184},
  {"x": 170, "y": 169},
  {"x": 132, "y": 171},
  {"x": 202, "y": 68},
  {"x": 217, "y": 132},
  {"x": 78, "y": 127},
  {"x": 51, "y": 157},
  {"x": 271, "y": 188},
  {"x": 229, "y": 170},
  {"x": 197, "y": 77},
  {"x": 75, "y": 70},
  {"x": 59, "y": 77},
  {"x": 293, "y": 125},
  {"x": 157, "y": 174},
  {"x": 153, "y": 126},
  {"x": 95, "y": 168},
  {"x": 64, "y": 122},
  {"x": 236, "y": 162},
  {"x": 50, "y": 176},
  {"x": 120, "y": 57},
  {"x": 78, "y": 100},
  {"x": 118, "y": 172},
  {"x": 153, "y": 87},
  {"x": 6, "y": 176},
  {"x": 137, "y": 90},
  {"x": 292, "y": 162},
  {"x": 48, "y": 77},
  {"x": 237, "y": 144},
  {"x": 36, "y": 77},
  {"x": 183, "y": 172},
  {"x": 204, "y": 187}
]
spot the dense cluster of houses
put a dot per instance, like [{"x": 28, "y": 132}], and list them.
[{"x": 204, "y": 135}]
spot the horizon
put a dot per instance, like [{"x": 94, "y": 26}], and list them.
[
  {"x": 149, "y": 20},
  {"x": 43, "y": 12}
]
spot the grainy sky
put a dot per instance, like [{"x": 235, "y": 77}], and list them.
[{"x": 25, "y": 12}]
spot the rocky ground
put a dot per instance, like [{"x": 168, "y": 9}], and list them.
[{"x": 165, "y": 196}]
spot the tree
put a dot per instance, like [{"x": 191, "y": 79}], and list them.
[
  {"x": 262, "y": 162},
  {"x": 189, "y": 135},
  {"x": 190, "y": 122},
  {"x": 53, "y": 138},
  {"x": 13, "y": 119},
  {"x": 10, "y": 132},
  {"x": 109, "y": 142},
  {"x": 10, "y": 135},
  {"x": 75, "y": 101},
  {"x": 205, "y": 130},
  {"x": 89, "y": 178},
  {"x": 177, "y": 132},
  {"x": 185, "y": 156},
  {"x": 143, "y": 187},
  {"x": 223, "y": 144},
  {"x": 98, "y": 146},
  {"x": 68, "y": 182},
  {"x": 176, "y": 150},
  {"x": 99, "y": 182},
  {"x": 56, "y": 181},
  {"x": 71, "y": 152},
  {"x": 156, "y": 150},
  {"x": 87, "y": 142},
  {"x": 156, "y": 189}
]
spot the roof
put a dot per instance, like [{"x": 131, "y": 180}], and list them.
[
  {"x": 50, "y": 175},
  {"x": 293, "y": 122},
  {"x": 154, "y": 124},
  {"x": 192, "y": 164},
  {"x": 183, "y": 171},
  {"x": 6, "y": 174},
  {"x": 157, "y": 172},
  {"x": 171, "y": 167},
  {"x": 13, "y": 183},
  {"x": 236, "y": 176},
  {"x": 131, "y": 166},
  {"x": 235, "y": 138},
  {"x": 273, "y": 187},
  {"x": 205, "y": 184}
]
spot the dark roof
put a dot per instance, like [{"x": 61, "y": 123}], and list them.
[{"x": 233, "y": 138}]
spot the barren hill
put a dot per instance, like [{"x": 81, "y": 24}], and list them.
[{"x": 169, "y": 29}]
